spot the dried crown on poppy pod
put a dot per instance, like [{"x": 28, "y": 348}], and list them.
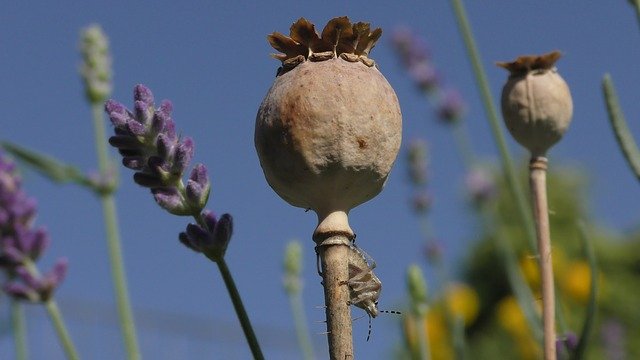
[
  {"x": 536, "y": 102},
  {"x": 329, "y": 129}
]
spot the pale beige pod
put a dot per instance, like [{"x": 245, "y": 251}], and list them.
[
  {"x": 536, "y": 102},
  {"x": 329, "y": 129}
]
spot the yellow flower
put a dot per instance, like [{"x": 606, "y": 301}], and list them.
[
  {"x": 463, "y": 302},
  {"x": 512, "y": 319},
  {"x": 576, "y": 281}
]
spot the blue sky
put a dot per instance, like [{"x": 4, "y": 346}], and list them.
[{"x": 212, "y": 60}]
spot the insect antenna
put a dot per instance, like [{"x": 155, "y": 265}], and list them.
[{"x": 381, "y": 311}]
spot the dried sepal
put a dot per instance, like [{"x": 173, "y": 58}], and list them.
[
  {"x": 339, "y": 38},
  {"x": 527, "y": 63}
]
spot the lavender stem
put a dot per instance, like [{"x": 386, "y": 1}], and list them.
[
  {"x": 56, "y": 317},
  {"x": 19, "y": 330},
  {"x": 125, "y": 314},
  {"x": 239, "y": 308}
]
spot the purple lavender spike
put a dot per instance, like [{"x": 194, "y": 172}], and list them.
[
  {"x": 184, "y": 153},
  {"x": 143, "y": 112},
  {"x": 40, "y": 243},
  {"x": 27, "y": 278},
  {"x": 58, "y": 273},
  {"x": 223, "y": 230},
  {"x": 170, "y": 130},
  {"x": 136, "y": 128},
  {"x": 197, "y": 234},
  {"x": 186, "y": 241},
  {"x": 169, "y": 199},
  {"x": 19, "y": 291},
  {"x": 210, "y": 219},
  {"x": 124, "y": 142},
  {"x": 133, "y": 162},
  {"x": 118, "y": 114},
  {"x": 166, "y": 146},
  {"x": 197, "y": 190},
  {"x": 144, "y": 94},
  {"x": 166, "y": 107},
  {"x": 148, "y": 180},
  {"x": 451, "y": 106}
]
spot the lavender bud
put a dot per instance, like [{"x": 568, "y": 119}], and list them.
[
  {"x": 170, "y": 130},
  {"x": 143, "y": 94},
  {"x": 136, "y": 128},
  {"x": 143, "y": 112},
  {"x": 118, "y": 114},
  {"x": 20, "y": 291},
  {"x": 421, "y": 202},
  {"x": 209, "y": 219},
  {"x": 133, "y": 162},
  {"x": 198, "y": 187},
  {"x": 165, "y": 146},
  {"x": 417, "y": 158},
  {"x": 96, "y": 65},
  {"x": 425, "y": 76},
  {"x": 451, "y": 107},
  {"x": 148, "y": 180},
  {"x": 187, "y": 241},
  {"x": 417, "y": 289},
  {"x": 40, "y": 243},
  {"x": 159, "y": 168},
  {"x": 480, "y": 185},
  {"x": 27, "y": 278},
  {"x": 170, "y": 200},
  {"x": 123, "y": 142},
  {"x": 184, "y": 153},
  {"x": 223, "y": 231}
]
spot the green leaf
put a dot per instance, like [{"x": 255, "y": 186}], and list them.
[
  {"x": 619, "y": 125},
  {"x": 49, "y": 167},
  {"x": 589, "y": 320}
]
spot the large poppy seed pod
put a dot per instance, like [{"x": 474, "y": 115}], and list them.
[
  {"x": 329, "y": 129},
  {"x": 536, "y": 102}
]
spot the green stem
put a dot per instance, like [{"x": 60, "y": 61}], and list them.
[
  {"x": 55, "y": 316},
  {"x": 240, "y": 311},
  {"x": 619, "y": 125},
  {"x": 19, "y": 330},
  {"x": 300, "y": 321},
  {"x": 125, "y": 314},
  {"x": 423, "y": 337},
  {"x": 589, "y": 321},
  {"x": 483, "y": 85},
  {"x": 61, "y": 330},
  {"x": 636, "y": 6}
]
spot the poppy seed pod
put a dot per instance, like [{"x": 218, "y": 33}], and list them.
[
  {"x": 536, "y": 102},
  {"x": 329, "y": 129}
]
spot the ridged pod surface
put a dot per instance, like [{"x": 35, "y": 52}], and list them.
[{"x": 329, "y": 129}]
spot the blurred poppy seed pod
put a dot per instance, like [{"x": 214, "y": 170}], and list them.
[
  {"x": 536, "y": 102},
  {"x": 329, "y": 129}
]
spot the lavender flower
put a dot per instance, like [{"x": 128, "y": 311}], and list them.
[
  {"x": 20, "y": 243},
  {"x": 96, "y": 64},
  {"x": 147, "y": 140},
  {"x": 566, "y": 345},
  {"x": 418, "y": 162},
  {"x": 415, "y": 57},
  {"x": 480, "y": 185}
]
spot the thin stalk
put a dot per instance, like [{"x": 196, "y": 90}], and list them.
[
  {"x": 239, "y": 308},
  {"x": 125, "y": 314},
  {"x": 61, "y": 330},
  {"x": 538, "y": 182},
  {"x": 423, "y": 338},
  {"x": 56, "y": 317},
  {"x": 589, "y": 321},
  {"x": 334, "y": 259},
  {"x": 300, "y": 321},
  {"x": 636, "y": 6},
  {"x": 516, "y": 281},
  {"x": 619, "y": 126},
  {"x": 492, "y": 115},
  {"x": 19, "y": 330}
]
